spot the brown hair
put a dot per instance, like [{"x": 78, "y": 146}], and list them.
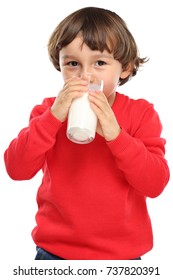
[{"x": 101, "y": 30}]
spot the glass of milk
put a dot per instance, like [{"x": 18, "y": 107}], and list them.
[{"x": 82, "y": 121}]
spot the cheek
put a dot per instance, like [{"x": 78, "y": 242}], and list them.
[
  {"x": 110, "y": 85},
  {"x": 65, "y": 75}
]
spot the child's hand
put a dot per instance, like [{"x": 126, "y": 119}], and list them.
[
  {"x": 108, "y": 126},
  {"x": 73, "y": 88}
]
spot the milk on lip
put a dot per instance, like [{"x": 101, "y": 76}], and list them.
[{"x": 82, "y": 120}]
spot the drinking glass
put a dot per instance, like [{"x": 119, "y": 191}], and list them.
[{"x": 82, "y": 120}]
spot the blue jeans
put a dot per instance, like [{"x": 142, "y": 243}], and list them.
[{"x": 44, "y": 255}]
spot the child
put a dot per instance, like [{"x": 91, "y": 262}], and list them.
[{"x": 92, "y": 199}]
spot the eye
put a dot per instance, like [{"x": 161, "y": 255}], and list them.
[
  {"x": 72, "y": 63},
  {"x": 100, "y": 63}
]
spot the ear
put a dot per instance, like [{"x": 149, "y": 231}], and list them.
[{"x": 127, "y": 71}]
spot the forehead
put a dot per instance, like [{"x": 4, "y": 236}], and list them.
[{"x": 78, "y": 46}]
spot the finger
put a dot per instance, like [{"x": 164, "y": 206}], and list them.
[
  {"x": 99, "y": 101},
  {"x": 74, "y": 89},
  {"x": 75, "y": 81}
]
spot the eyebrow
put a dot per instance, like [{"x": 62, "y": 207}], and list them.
[{"x": 96, "y": 56}]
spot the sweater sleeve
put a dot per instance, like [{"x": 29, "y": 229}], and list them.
[
  {"x": 25, "y": 155},
  {"x": 140, "y": 154}
]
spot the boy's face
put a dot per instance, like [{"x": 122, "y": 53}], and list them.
[{"x": 78, "y": 60}]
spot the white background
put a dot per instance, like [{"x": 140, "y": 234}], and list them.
[{"x": 27, "y": 76}]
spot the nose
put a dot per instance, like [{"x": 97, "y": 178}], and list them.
[
  {"x": 85, "y": 72},
  {"x": 86, "y": 76}
]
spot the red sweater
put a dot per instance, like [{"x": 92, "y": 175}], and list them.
[{"x": 92, "y": 199}]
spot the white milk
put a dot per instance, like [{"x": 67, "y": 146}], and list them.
[{"x": 82, "y": 120}]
